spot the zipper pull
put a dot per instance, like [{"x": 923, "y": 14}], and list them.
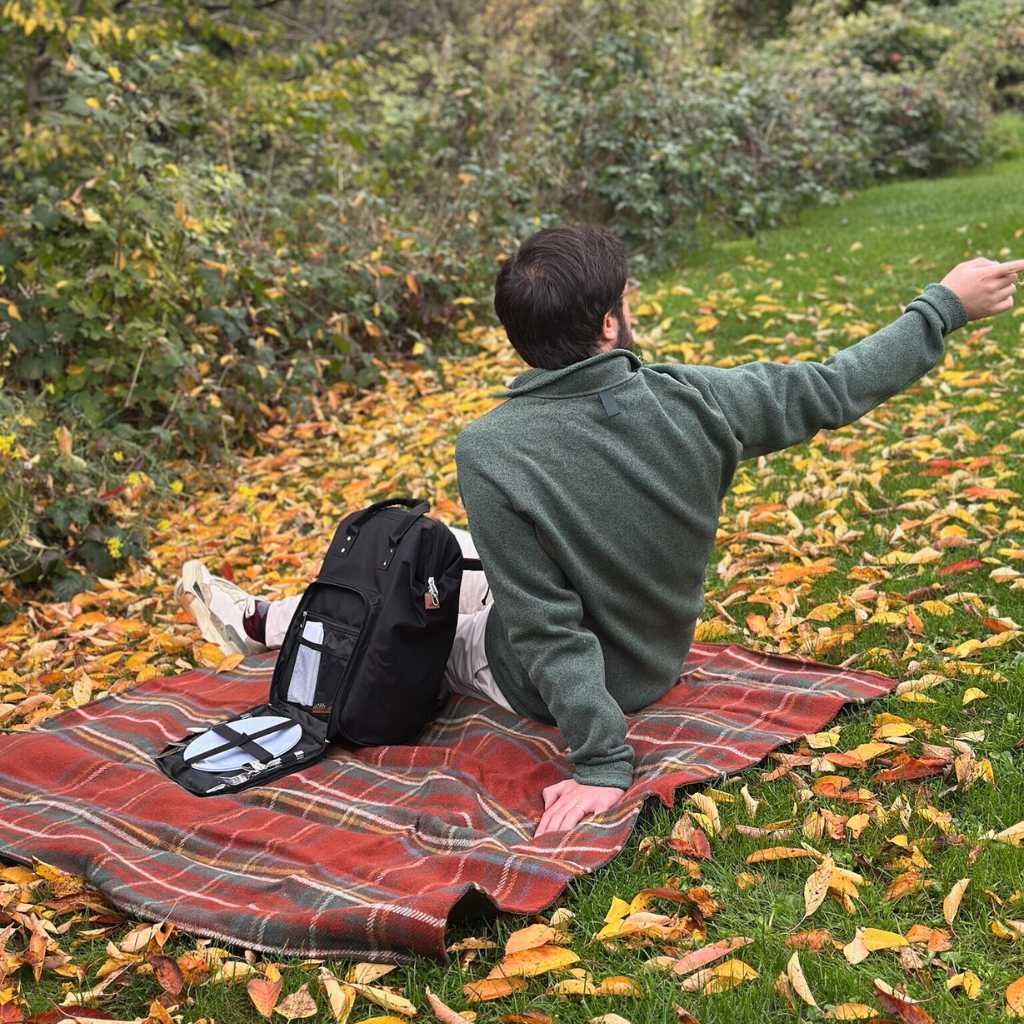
[{"x": 431, "y": 598}]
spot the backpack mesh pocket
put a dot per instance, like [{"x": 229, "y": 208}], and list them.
[{"x": 323, "y": 658}]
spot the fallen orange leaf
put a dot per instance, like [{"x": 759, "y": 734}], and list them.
[
  {"x": 264, "y": 995},
  {"x": 951, "y": 904},
  {"x": 1015, "y": 999},
  {"x": 532, "y": 936},
  {"x": 492, "y": 988}
]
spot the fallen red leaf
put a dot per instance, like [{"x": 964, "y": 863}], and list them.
[
  {"x": 963, "y": 566},
  {"x": 691, "y": 842},
  {"x": 665, "y": 893},
  {"x": 940, "y": 467},
  {"x": 908, "y": 1013},
  {"x": 167, "y": 974},
  {"x": 708, "y": 954}
]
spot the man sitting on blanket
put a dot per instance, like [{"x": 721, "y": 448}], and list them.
[{"x": 593, "y": 495}]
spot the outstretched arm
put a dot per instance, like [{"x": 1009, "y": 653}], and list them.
[{"x": 771, "y": 406}]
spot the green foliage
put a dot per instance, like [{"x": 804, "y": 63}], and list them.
[
  {"x": 1005, "y": 139},
  {"x": 989, "y": 52},
  {"x": 973, "y": 46},
  {"x": 752, "y": 20},
  {"x": 63, "y": 518},
  {"x": 211, "y": 213},
  {"x": 888, "y": 39}
]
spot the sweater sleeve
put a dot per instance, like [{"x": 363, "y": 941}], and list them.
[
  {"x": 770, "y": 406},
  {"x": 543, "y": 615}
]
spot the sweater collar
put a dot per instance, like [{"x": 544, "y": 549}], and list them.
[{"x": 595, "y": 373}]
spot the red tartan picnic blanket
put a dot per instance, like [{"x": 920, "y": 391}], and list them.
[{"x": 366, "y": 853}]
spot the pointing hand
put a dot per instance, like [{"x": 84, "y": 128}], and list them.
[{"x": 984, "y": 286}]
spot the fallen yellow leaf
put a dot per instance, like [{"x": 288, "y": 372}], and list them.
[
  {"x": 728, "y": 975},
  {"x": 709, "y": 811},
  {"x": 776, "y": 853},
  {"x": 875, "y": 939},
  {"x": 617, "y": 985},
  {"x": 825, "y": 612},
  {"x": 1014, "y": 835},
  {"x": 822, "y": 740},
  {"x": 725, "y": 976},
  {"x": 795, "y": 974},
  {"x": 968, "y": 981},
  {"x": 816, "y": 887},
  {"x": 850, "y": 1011},
  {"x": 895, "y": 729},
  {"x": 367, "y": 973},
  {"x": 388, "y": 1000},
  {"x": 341, "y": 997}
]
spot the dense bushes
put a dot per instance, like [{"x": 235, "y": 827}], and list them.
[
  {"x": 888, "y": 39},
  {"x": 207, "y": 214}
]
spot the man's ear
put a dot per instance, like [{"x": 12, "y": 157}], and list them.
[{"x": 609, "y": 331}]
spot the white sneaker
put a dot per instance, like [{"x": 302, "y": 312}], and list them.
[{"x": 218, "y": 607}]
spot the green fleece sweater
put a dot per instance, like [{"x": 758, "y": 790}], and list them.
[{"x": 593, "y": 496}]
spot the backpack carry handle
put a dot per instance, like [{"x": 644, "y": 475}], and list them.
[
  {"x": 341, "y": 543},
  {"x": 419, "y": 507}
]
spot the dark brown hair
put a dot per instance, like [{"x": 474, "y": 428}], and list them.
[{"x": 553, "y": 294}]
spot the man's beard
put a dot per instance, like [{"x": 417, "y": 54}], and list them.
[{"x": 624, "y": 339}]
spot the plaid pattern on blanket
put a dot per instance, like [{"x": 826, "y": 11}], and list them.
[{"x": 365, "y": 853}]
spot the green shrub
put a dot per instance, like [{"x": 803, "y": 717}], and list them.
[
  {"x": 67, "y": 518},
  {"x": 1005, "y": 138},
  {"x": 888, "y": 38},
  {"x": 989, "y": 60}
]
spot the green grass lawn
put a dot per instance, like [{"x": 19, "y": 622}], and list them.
[{"x": 804, "y": 291}]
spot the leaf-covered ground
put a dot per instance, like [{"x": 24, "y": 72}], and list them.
[{"x": 886, "y": 848}]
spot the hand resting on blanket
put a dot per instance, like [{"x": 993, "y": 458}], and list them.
[{"x": 567, "y": 802}]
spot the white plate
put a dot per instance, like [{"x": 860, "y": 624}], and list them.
[{"x": 275, "y": 744}]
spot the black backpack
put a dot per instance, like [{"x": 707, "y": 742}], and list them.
[{"x": 363, "y": 659}]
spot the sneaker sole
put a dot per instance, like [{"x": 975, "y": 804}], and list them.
[{"x": 193, "y": 600}]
